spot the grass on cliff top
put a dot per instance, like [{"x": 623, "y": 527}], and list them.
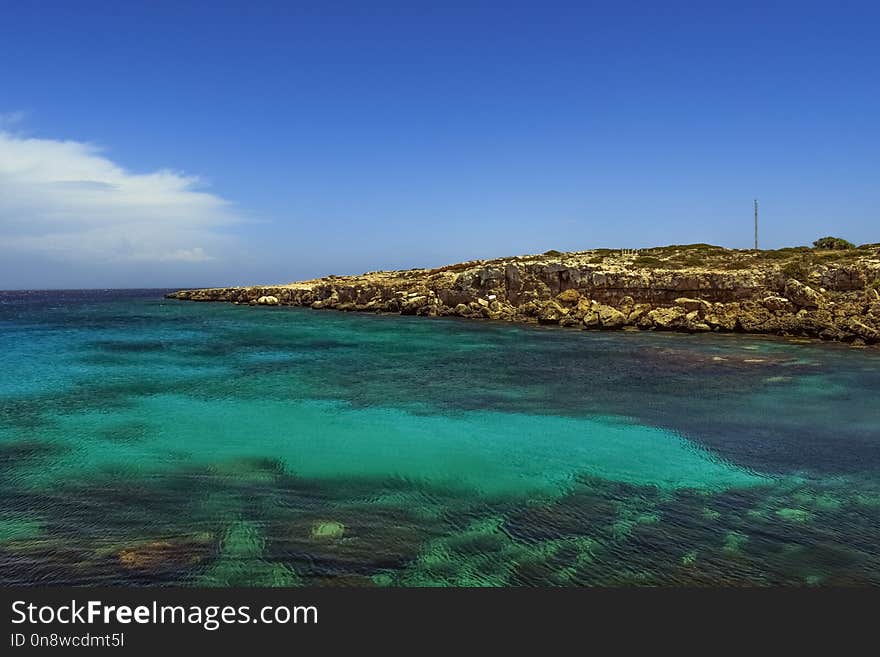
[{"x": 794, "y": 261}]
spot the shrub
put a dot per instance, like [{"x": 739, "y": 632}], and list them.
[
  {"x": 834, "y": 243},
  {"x": 786, "y": 253},
  {"x": 798, "y": 269},
  {"x": 649, "y": 261}
]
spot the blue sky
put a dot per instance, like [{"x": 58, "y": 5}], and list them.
[{"x": 174, "y": 144}]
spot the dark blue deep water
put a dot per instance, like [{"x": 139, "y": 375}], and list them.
[{"x": 146, "y": 441}]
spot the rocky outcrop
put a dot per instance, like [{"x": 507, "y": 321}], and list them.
[{"x": 798, "y": 292}]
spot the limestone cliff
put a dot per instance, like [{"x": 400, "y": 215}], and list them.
[{"x": 833, "y": 295}]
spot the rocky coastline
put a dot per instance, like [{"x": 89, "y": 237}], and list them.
[{"x": 826, "y": 294}]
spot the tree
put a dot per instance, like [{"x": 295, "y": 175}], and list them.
[{"x": 834, "y": 243}]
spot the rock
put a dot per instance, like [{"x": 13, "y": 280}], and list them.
[
  {"x": 802, "y": 295},
  {"x": 327, "y": 530},
  {"x": 667, "y": 318},
  {"x": 867, "y": 333},
  {"x": 359, "y": 539},
  {"x": 581, "y": 309},
  {"x": 694, "y": 305},
  {"x": 592, "y": 320},
  {"x": 569, "y": 297},
  {"x": 778, "y": 304},
  {"x": 754, "y": 318},
  {"x": 551, "y": 313},
  {"x": 638, "y": 311},
  {"x": 610, "y": 318},
  {"x": 724, "y": 317},
  {"x": 626, "y": 305},
  {"x": 412, "y": 304},
  {"x": 727, "y": 291},
  {"x": 159, "y": 557}
]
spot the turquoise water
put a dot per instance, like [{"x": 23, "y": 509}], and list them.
[{"x": 146, "y": 441}]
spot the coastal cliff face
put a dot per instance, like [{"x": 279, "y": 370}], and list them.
[{"x": 833, "y": 295}]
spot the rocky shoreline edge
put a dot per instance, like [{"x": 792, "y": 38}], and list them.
[{"x": 700, "y": 288}]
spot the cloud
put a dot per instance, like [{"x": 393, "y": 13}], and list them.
[{"x": 68, "y": 201}]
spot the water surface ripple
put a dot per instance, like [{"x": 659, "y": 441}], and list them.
[{"x": 154, "y": 442}]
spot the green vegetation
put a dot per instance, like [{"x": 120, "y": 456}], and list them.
[
  {"x": 648, "y": 261},
  {"x": 833, "y": 243},
  {"x": 786, "y": 253},
  {"x": 799, "y": 269},
  {"x": 794, "y": 261}
]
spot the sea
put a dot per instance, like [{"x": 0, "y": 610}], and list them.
[{"x": 153, "y": 442}]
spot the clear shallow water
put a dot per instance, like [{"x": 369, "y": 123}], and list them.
[{"x": 145, "y": 441}]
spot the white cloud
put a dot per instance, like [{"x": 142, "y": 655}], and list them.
[{"x": 66, "y": 200}]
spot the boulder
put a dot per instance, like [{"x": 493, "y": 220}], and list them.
[
  {"x": 694, "y": 305},
  {"x": 412, "y": 304},
  {"x": 551, "y": 313},
  {"x": 638, "y": 311},
  {"x": 581, "y": 309},
  {"x": 867, "y": 333},
  {"x": 568, "y": 297},
  {"x": 724, "y": 317},
  {"x": 802, "y": 295},
  {"x": 610, "y": 318},
  {"x": 592, "y": 320},
  {"x": 667, "y": 318},
  {"x": 778, "y": 304},
  {"x": 267, "y": 301},
  {"x": 754, "y": 318}
]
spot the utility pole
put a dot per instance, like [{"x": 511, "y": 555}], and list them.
[{"x": 756, "y": 224}]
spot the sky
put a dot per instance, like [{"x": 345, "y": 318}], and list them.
[{"x": 175, "y": 144}]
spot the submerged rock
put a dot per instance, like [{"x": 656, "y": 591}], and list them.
[
  {"x": 358, "y": 540},
  {"x": 160, "y": 556},
  {"x": 329, "y": 529}
]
